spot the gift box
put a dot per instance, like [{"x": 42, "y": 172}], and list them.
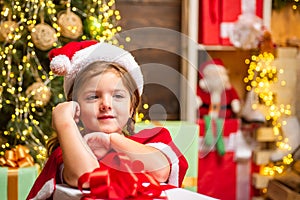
[
  {"x": 67, "y": 193},
  {"x": 15, "y": 183},
  {"x": 185, "y": 136},
  {"x": 226, "y": 176},
  {"x": 17, "y": 173},
  {"x": 217, "y": 17}
]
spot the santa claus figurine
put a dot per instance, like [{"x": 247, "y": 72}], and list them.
[
  {"x": 217, "y": 97},
  {"x": 218, "y": 100}
]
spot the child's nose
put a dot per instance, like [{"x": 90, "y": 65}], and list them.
[{"x": 105, "y": 103}]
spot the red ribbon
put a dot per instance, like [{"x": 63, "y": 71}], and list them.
[{"x": 122, "y": 179}]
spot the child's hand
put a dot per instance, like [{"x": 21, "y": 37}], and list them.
[
  {"x": 64, "y": 112},
  {"x": 99, "y": 143}
]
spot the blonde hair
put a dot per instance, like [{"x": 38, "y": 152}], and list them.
[{"x": 95, "y": 69}]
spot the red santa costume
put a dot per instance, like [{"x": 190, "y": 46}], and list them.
[
  {"x": 228, "y": 101},
  {"x": 226, "y": 98},
  {"x": 68, "y": 61},
  {"x": 159, "y": 138}
]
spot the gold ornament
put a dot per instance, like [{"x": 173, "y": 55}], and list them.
[
  {"x": 40, "y": 92},
  {"x": 43, "y": 36},
  {"x": 6, "y": 30},
  {"x": 70, "y": 24}
]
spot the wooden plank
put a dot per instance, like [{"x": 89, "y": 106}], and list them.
[
  {"x": 261, "y": 157},
  {"x": 260, "y": 181},
  {"x": 265, "y": 134},
  {"x": 154, "y": 29},
  {"x": 277, "y": 191},
  {"x": 291, "y": 179}
]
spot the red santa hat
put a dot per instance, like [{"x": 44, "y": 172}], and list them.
[
  {"x": 216, "y": 62},
  {"x": 68, "y": 60}
]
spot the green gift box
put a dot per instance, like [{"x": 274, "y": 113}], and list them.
[
  {"x": 185, "y": 136},
  {"x": 15, "y": 183}
]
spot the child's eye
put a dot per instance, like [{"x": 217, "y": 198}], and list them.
[
  {"x": 91, "y": 97},
  {"x": 118, "y": 96}
]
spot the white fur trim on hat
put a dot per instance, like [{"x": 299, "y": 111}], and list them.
[
  {"x": 214, "y": 66},
  {"x": 60, "y": 65},
  {"x": 103, "y": 52}
]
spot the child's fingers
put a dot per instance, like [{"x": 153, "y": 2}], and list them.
[
  {"x": 98, "y": 142},
  {"x": 98, "y": 137}
]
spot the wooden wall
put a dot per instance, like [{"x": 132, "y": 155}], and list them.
[
  {"x": 156, "y": 49},
  {"x": 285, "y": 24}
]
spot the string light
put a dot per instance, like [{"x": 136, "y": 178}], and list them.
[
  {"x": 140, "y": 116},
  {"x": 101, "y": 19},
  {"x": 272, "y": 170},
  {"x": 24, "y": 116},
  {"x": 261, "y": 75},
  {"x": 277, "y": 168}
]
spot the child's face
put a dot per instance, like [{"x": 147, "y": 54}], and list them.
[{"x": 104, "y": 103}]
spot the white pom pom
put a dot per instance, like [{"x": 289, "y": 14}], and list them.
[{"x": 60, "y": 65}]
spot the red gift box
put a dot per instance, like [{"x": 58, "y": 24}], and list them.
[
  {"x": 223, "y": 177},
  {"x": 216, "y": 18},
  {"x": 209, "y": 22}
]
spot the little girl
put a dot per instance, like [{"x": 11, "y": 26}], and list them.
[{"x": 103, "y": 85}]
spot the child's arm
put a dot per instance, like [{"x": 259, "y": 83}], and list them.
[
  {"x": 155, "y": 162},
  {"x": 77, "y": 156}
]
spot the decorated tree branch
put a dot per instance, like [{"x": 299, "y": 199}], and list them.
[{"x": 28, "y": 89}]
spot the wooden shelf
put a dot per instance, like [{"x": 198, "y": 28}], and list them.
[
  {"x": 220, "y": 48},
  {"x": 216, "y": 48}
]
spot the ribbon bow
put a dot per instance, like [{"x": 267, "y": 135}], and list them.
[
  {"x": 122, "y": 179},
  {"x": 17, "y": 157}
]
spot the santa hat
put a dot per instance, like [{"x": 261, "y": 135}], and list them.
[
  {"x": 216, "y": 62},
  {"x": 70, "y": 59}
]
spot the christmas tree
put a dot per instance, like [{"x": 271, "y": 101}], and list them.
[{"x": 29, "y": 29}]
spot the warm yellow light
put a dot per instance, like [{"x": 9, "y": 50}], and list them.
[{"x": 146, "y": 106}]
